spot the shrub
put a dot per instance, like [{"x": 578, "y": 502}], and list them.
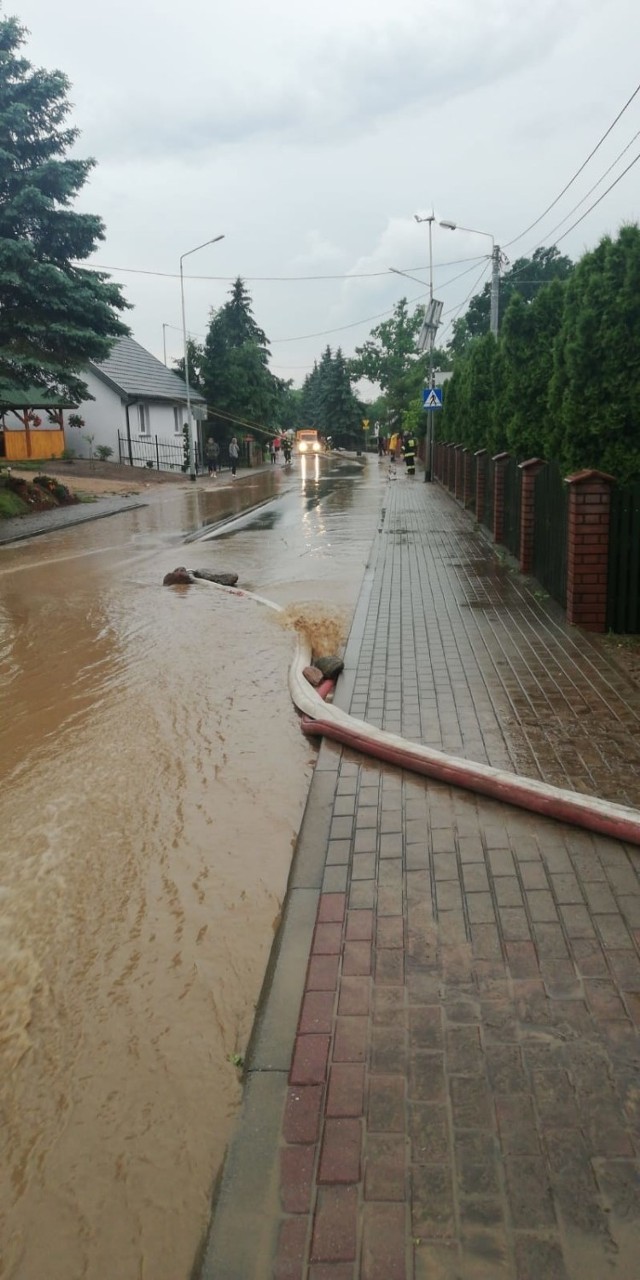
[{"x": 104, "y": 452}]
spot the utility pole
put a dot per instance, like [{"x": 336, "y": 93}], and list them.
[
  {"x": 428, "y": 438},
  {"x": 495, "y": 289}
]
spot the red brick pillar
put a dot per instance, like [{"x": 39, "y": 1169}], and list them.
[
  {"x": 588, "y": 548},
  {"x": 467, "y": 496},
  {"x": 529, "y": 471},
  {"x": 499, "y": 461},
  {"x": 458, "y": 471},
  {"x": 481, "y": 482}
]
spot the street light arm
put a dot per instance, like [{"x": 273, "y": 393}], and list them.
[
  {"x": 200, "y": 246},
  {"x": 396, "y": 271},
  {"x": 455, "y": 226},
  {"x": 192, "y": 455}
]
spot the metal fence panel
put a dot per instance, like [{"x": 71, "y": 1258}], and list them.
[
  {"x": 512, "y": 505},
  {"x": 487, "y": 518},
  {"x": 623, "y": 583},
  {"x": 551, "y": 507}
]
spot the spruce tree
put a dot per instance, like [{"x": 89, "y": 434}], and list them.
[
  {"x": 54, "y": 315},
  {"x": 235, "y": 370}
]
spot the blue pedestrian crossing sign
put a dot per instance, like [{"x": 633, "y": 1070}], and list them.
[{"x": 432, "y": 398}]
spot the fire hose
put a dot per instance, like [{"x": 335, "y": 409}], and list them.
[{"x": 322, "y": 719}]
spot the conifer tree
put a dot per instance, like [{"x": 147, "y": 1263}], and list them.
[{"x": 54, "y": 314}]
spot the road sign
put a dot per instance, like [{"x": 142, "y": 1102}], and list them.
[{"x": 432, "y": 398}]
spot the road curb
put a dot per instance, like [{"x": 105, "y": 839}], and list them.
[{"x": 242, "y": 1238}]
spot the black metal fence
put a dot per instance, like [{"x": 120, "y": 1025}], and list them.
[
  {"x": 489, "y": 470},
  {"x": 551, "y": 505},
  {"x": 472, "y": 468},
  {"x": 512, "y": 505},
  {"x": 151, "y": 452},
  {"x": 623, "y": 583},
  {"x": 168, "y": 455}
]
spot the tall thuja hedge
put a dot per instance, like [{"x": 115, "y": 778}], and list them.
[
  {"x": 595, "y": 390},
  {"x": 563, "y": 380},
  {"x": 468, "y": 416},
  {"x": 526, "y": 348}
]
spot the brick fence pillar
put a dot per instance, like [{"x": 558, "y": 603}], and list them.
[
  {"x": 458, "y": 471},
  {"x": 499, "y": 461},
  {"x": 467, "y": 495},
  {"x": 481, "y": 482},
  {"x": 588, "y": 548},
  {"x": 529, "y": 471}
]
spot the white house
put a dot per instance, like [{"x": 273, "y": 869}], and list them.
[{"x": 139, "y": 409}]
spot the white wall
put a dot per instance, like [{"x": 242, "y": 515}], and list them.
[
  {"x": 103, "y": 418},
  {"x": 106, "y": 415}
]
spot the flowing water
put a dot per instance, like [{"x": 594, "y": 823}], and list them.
[{"x": 153, "y": 779}]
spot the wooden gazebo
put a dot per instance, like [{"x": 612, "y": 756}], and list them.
[{"x": 31, "y": 424}]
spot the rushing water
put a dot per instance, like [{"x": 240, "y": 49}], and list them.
[{"x": 153, "y": 779}]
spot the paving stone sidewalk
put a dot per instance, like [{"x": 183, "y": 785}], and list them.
[
  {"x": 443, "y": 1081},
  {"x": 17, "y": 528}
]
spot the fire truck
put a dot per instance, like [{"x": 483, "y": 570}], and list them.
[{"x": 307, "y": 441}]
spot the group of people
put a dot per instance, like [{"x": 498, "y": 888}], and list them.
[
  {"x": 280, "y": 444},
  {"x": 212, "y": 450},
  {"x": 400, "y": 446}
]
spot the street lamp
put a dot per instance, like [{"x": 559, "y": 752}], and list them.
[
  {"x": 495, "y": 268},
  {"x": 430, "y": 218},
  {"x": 192, "y": 450}
]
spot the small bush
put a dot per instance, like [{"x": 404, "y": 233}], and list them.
[{"x": 104, "y": 452}]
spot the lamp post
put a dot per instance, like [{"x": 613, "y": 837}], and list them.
[
  {"x": 430, "y": 218},
  {"x": 192, "y": 450},
  {"x": 495, "y": 269}
]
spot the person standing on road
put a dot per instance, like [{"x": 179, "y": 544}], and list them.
[
  {"x": 273, "y": 451},
  {"x": 213, "y": 455},
  {"x": 234, "y": 454},
  {"x": 409, "y": 449}
]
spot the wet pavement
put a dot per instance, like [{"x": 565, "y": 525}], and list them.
[
  {"x": 153, "y": 782},
  {"x": 443, "y": 1075},
  {"x": 18, "y": 528}
]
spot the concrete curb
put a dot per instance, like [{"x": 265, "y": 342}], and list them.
[
  {"x": 23, "y": 534},
  {"x": 243, "y": 1233}
]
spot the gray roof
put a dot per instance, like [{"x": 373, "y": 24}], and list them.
[{"x": 134, "y": 372}]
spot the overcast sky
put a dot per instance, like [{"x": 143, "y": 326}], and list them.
[{"x": 310, "y": 135}]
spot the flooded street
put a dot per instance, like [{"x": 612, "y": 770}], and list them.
[{"x": 153, "y": 781}]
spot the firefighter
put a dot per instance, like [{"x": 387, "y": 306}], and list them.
[{"x": 409, "y": 450}]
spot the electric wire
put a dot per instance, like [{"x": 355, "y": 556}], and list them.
[
  {"x": 389, "y": 311},
  {"x": 348, "y": 275},
  {"x": 576, "y": 174}
]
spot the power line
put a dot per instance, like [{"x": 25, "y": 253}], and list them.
[
  {"x": 585, "y": 197},
  {"x": 450, "y": 323},
  {"x": 367, "y": 319},
  {"x": 348, "y": 275},
  {"x": 577, "y": 172},
  {"x": 598, "y": 201}
]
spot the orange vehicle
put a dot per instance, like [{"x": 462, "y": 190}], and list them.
[{"x": 307, "y": 441}]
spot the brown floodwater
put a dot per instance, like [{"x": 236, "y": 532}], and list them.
[{"x": 153, "y": 779}]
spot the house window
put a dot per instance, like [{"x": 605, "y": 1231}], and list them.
[
  {"x": 178, "y": 416},
  {"x": 143, "y": 419}
]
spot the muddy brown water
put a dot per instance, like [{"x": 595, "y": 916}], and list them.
[{"x": 153, "y": 781}]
